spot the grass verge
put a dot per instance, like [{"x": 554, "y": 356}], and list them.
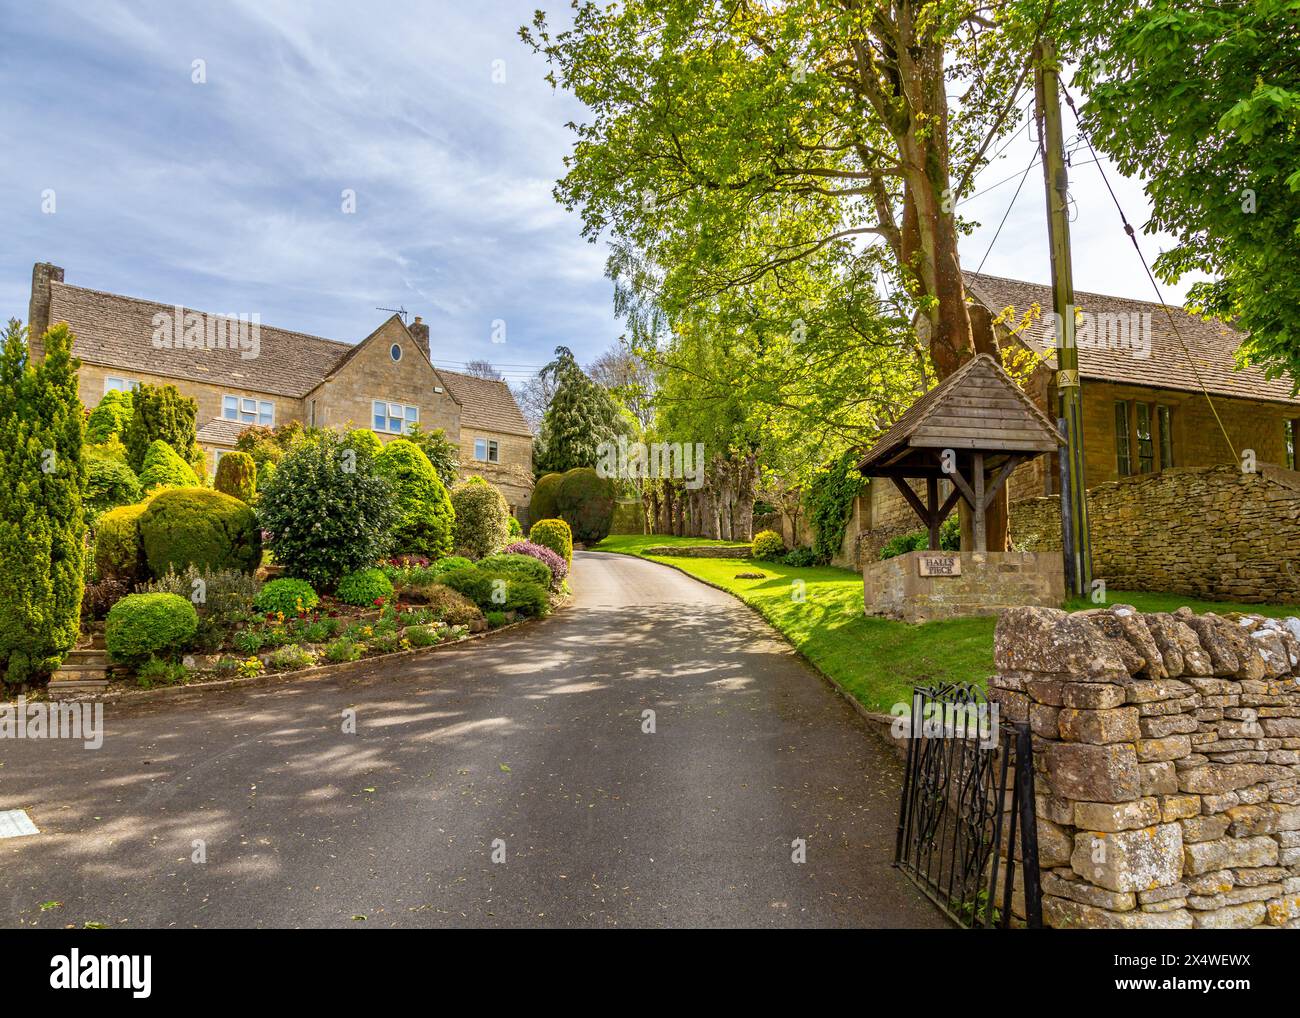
[{"x": 878, "y": 661}]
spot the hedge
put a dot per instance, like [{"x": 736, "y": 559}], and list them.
[
  {"x": 119, "y": 554},
  {"x": 586, "y": 502},
  {"x": 199, "y": 527}
]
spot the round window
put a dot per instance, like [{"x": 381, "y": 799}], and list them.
[{"x": 396, "y": 351}]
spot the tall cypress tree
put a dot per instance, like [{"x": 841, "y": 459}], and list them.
[
  {"x": 581, "y": 416},
  {"x": 42, "y": 522}
]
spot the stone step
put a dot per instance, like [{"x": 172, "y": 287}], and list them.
[
  {"x": 72, "y": 665},
  {"x": 95, "y": 658},
  {"x": 59, "y": 689},
  {"x": 66, "y": 674}
]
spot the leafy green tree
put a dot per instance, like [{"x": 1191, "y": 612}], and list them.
[
  {"x": 810, "y": 126},
  {"x": 581, "y": 416},
  {"x": 161, "y": 413},
  {"x": 110, "y": 417},
  {"x": 327, "y": 510},
  {"x": 42, "y": 486},
  {"x": 442, "y": 452},
  {"x": 1202, "y": 101},
  {"x": 425, "y": 519}
]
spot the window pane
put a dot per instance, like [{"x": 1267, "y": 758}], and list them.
[
  {"x": 492, "y": 452},
  {"x": 1163, "y": 420},
  {"x": 480, "y": 449},
  {"x": 229, "y": 408},
  {"x": 1146, "y": 448},
  {"x": 1123, "y": 460},
  {"x": 412, "y": 413}
]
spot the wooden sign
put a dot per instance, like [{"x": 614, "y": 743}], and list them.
[{"x": 939, "y": 565}]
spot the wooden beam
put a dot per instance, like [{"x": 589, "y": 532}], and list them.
[
  {"x": 960, "y": 483},
  {"x": 932, "y": 503},
  {"x": 948, "y": 504},
  {"x": 912, "y": 500},
  {"x": 992, "y": 491},
  {"x": 979, "y": 505}
]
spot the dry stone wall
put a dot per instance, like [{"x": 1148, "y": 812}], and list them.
[
  {"x": 1209, "y": 532},
  {"x": 1167, "y": 759}
]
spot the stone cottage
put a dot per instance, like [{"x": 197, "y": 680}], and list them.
[{"x": 243, "y": 373}]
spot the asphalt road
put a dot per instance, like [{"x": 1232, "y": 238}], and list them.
[{"x": 530, "y": 741}]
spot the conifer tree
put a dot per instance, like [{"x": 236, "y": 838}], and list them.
[
  {"x": 581, "y": 416},
  {"x": 42, "y": 487}
]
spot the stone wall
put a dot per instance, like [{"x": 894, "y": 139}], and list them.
[
  {"x": 1207, "y": 532},
  {"x": 1167, "y": 759},
  {"x": 983, "y": 583}
]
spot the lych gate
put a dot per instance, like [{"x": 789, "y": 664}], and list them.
[{"x": 973, "y": 429}]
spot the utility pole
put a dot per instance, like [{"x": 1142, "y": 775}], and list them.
[{"x": 1076, "y": 542}]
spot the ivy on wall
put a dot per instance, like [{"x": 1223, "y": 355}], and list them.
[{"x": 829, "y": 502}]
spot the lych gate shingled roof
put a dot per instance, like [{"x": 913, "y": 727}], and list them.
[
  {"x": 1211, "y": 343},
  {"x": 977, "y": 407}
]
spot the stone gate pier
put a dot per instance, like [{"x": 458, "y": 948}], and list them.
[{"x": 1167, "y": 760}]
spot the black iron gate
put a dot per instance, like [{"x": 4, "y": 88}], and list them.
[{"x": 968, "y": 790}]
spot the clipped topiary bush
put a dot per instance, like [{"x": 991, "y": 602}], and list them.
[
  {"x": 526, "y": 567},
  {"x": 110, "y": 417},
  {"x": 425, "y": 518},
  {"x": 585, "y": 502},
  {"x": 237, "y": 476},
  {"x": 119, "y": 554},
  {"x": 327, "y": 511},
  {"x": 141, "y": 626},
  {"x": 364, "y": 587},
  {"x": 199, "y": 527},
  {"x": 481, "y": 514},
  {"x": 164, "y": 468},
  {"x": 559, "y": 569},
  {"x": 767, "y": 545},
  {"x": 556, "y": 535},
  {"x": 109, "y": 483},
  {"x": 287, "y": 596},
  {"x": 543, "y": 506}
]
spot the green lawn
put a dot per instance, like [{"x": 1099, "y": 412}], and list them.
[{"x": 876, "y": 660}]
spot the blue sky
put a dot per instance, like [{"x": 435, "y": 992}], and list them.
[{"x": 227, "y": 195}]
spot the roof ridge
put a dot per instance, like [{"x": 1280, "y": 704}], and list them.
[
  {"x": 1103, "y": 296},
  {"x": 145, "y": 301}
]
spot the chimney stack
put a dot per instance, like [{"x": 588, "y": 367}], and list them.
[
  {"x": 38, "y": 310},
  {"x": 420, "y": 332}
]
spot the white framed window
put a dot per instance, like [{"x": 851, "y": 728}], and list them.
[
  {"x": 393, "y": 418},
  {"x": 486, "y": 450},
  {"x": 395, "y": 351},
  {"x": 115, "y": 384},
  {"x": 247, "y": 410}
]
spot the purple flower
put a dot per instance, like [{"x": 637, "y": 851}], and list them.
[{"x": 558, "y": 567}]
